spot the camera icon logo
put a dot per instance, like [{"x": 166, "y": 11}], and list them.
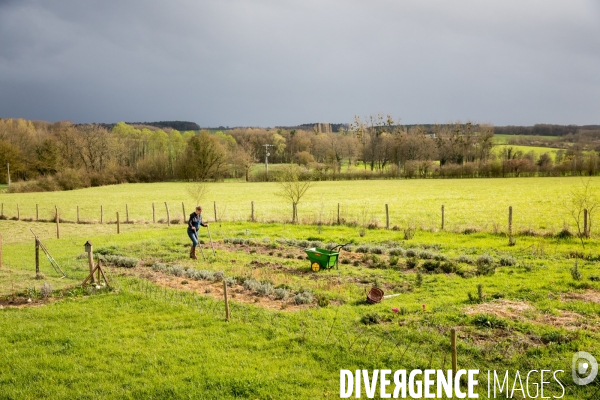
[{"x": 584, "y": 367}]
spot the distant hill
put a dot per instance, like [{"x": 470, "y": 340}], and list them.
[{"x": 178, "y": 125}]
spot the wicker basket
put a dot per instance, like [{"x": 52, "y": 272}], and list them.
[{"x": 375, "y": 295}]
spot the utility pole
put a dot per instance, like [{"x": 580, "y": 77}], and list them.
[{"x": 267, "y": 154}]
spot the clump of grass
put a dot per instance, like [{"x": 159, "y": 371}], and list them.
[
  {"x": 485, "y": 265},
  {"x": 393, "y": 261},
  {"x": 409, "y": 233},
  {"x": 371, "y": 319},
  {"x": 426, "y": 255},
  {"x": 489, "y": 321},
  {"x": 322, "y": 300},
  {"x": 356, "y": 263}
]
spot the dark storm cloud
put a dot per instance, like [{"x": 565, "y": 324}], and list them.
[{"x": 284, "y": 62}]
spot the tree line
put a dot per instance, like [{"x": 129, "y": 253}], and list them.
[{"x": 62, "y": 155}]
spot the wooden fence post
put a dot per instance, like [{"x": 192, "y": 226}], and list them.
[
  {"x": 510, "y": 225},
  {"x": 118, "y": 224},
  {"x": 442, "y": 217},
  {"x": 387, "y": 217},
  {"x": 153, "y": 214},
  {"x": 339, "y": 221},
  {"x": 226, "y": 301},
  {"x": 454, "y": 355},
  {"x": 168, "y": 215},
  {"x": 101, "y": 214},
  {"x": 252, "y": 215},
  {"x": 77, "y": 214},
  {"x": 90, "y": 253},
  {"x": 37, "y": 257},
  {"x": 585, "y": 223},
  {"x": 215, "y": 206},
  {"x": 57, "y": 223},
  {"x": 0, "y": 250},
  {"x": 18, "y": 213},
  {"x": 126, "y": 213},
  {"x": 183, "y": 210},
  {"x": 3, "y": 209},
  {"x": 37, "y": 212}
]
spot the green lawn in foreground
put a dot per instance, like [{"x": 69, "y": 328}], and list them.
[
  {"x": 481, "y": 203},
  {"x": 143, "y": 342}
]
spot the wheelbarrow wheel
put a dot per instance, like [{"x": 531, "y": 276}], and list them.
[{"x": 315, "y": 266}]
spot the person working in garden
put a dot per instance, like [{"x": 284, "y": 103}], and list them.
[{"x": 194, "y": 224}]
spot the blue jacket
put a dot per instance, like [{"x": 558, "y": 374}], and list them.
[{"x": 195, "y": 221}]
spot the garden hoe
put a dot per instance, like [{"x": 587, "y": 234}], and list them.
[
  {"x": 201, "y": 250},
  {"x": 211, "y": 242}
]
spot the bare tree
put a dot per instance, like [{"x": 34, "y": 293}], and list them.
[
  {"x": 580, "y": 199},
  {"x": 197, "y": 191},
  {"x": 293, "y": 189}
]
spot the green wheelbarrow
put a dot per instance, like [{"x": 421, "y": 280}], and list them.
[{"x": 322, "y": 258}]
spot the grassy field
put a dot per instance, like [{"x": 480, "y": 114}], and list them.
[
  {"x": 537, "y": 151},
  {"x": 503, "y": 139},
  {"x": 160, "y": 331},
  {"x": 538, "y": 203}
]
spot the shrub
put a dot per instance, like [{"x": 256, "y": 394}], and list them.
[
  {"x": 363, "y": 248},
  {"x": 426, "y": 255},
  {"x": 393, "y": 261},
  {"x": 485, "y": 259},
  {"x": 418, "y": 280},
  {"x": 330, "y": 245},
  {"x": 322, "y": 300},
  {"x": 251, "y": 284},
  {"x": 411, "y": 252},
  {"x": 303, "y": 298},
  {"x": 175, "y": 271},
  {"x": 159, "y": 267},
  {"x": 45, "y": 291},
  {"x": 465, "y": 259},
  {"x": 356, "y": 263},
  {"x": 230, "y": 281},
  {"x": 486, "y": 269},
  {"x": 448, "y": 267},
  {"x": 575, "y": 272},
  {"x": 396, "y": 251},
  {"x": 430, "y": 265},
  {"x": 281, "y": 293},
  {"x": 218, "y": 276},
  {"x": 346, "y": 261},
  {"x": 440, "y": 257},
  {"x": 204, "y": 275},
  {"x": 265, "y": 289},
  {"x": 411, "y": 263},
  {"x": 409, "y": 233},
  {"x": 304, "y": 243},
  {"x": 565, "y": 233},
  {"x": 377, "y": 250},
  {"x": 507, "y": 261},
  {"x": 119, "y": 261}
]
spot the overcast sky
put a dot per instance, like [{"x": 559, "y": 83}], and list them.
[{"x": 286, "y": 62}]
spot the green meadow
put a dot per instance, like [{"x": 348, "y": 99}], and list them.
[
  {"x": 159, "y": 330},
  {"x": 538, "y": 203}
]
